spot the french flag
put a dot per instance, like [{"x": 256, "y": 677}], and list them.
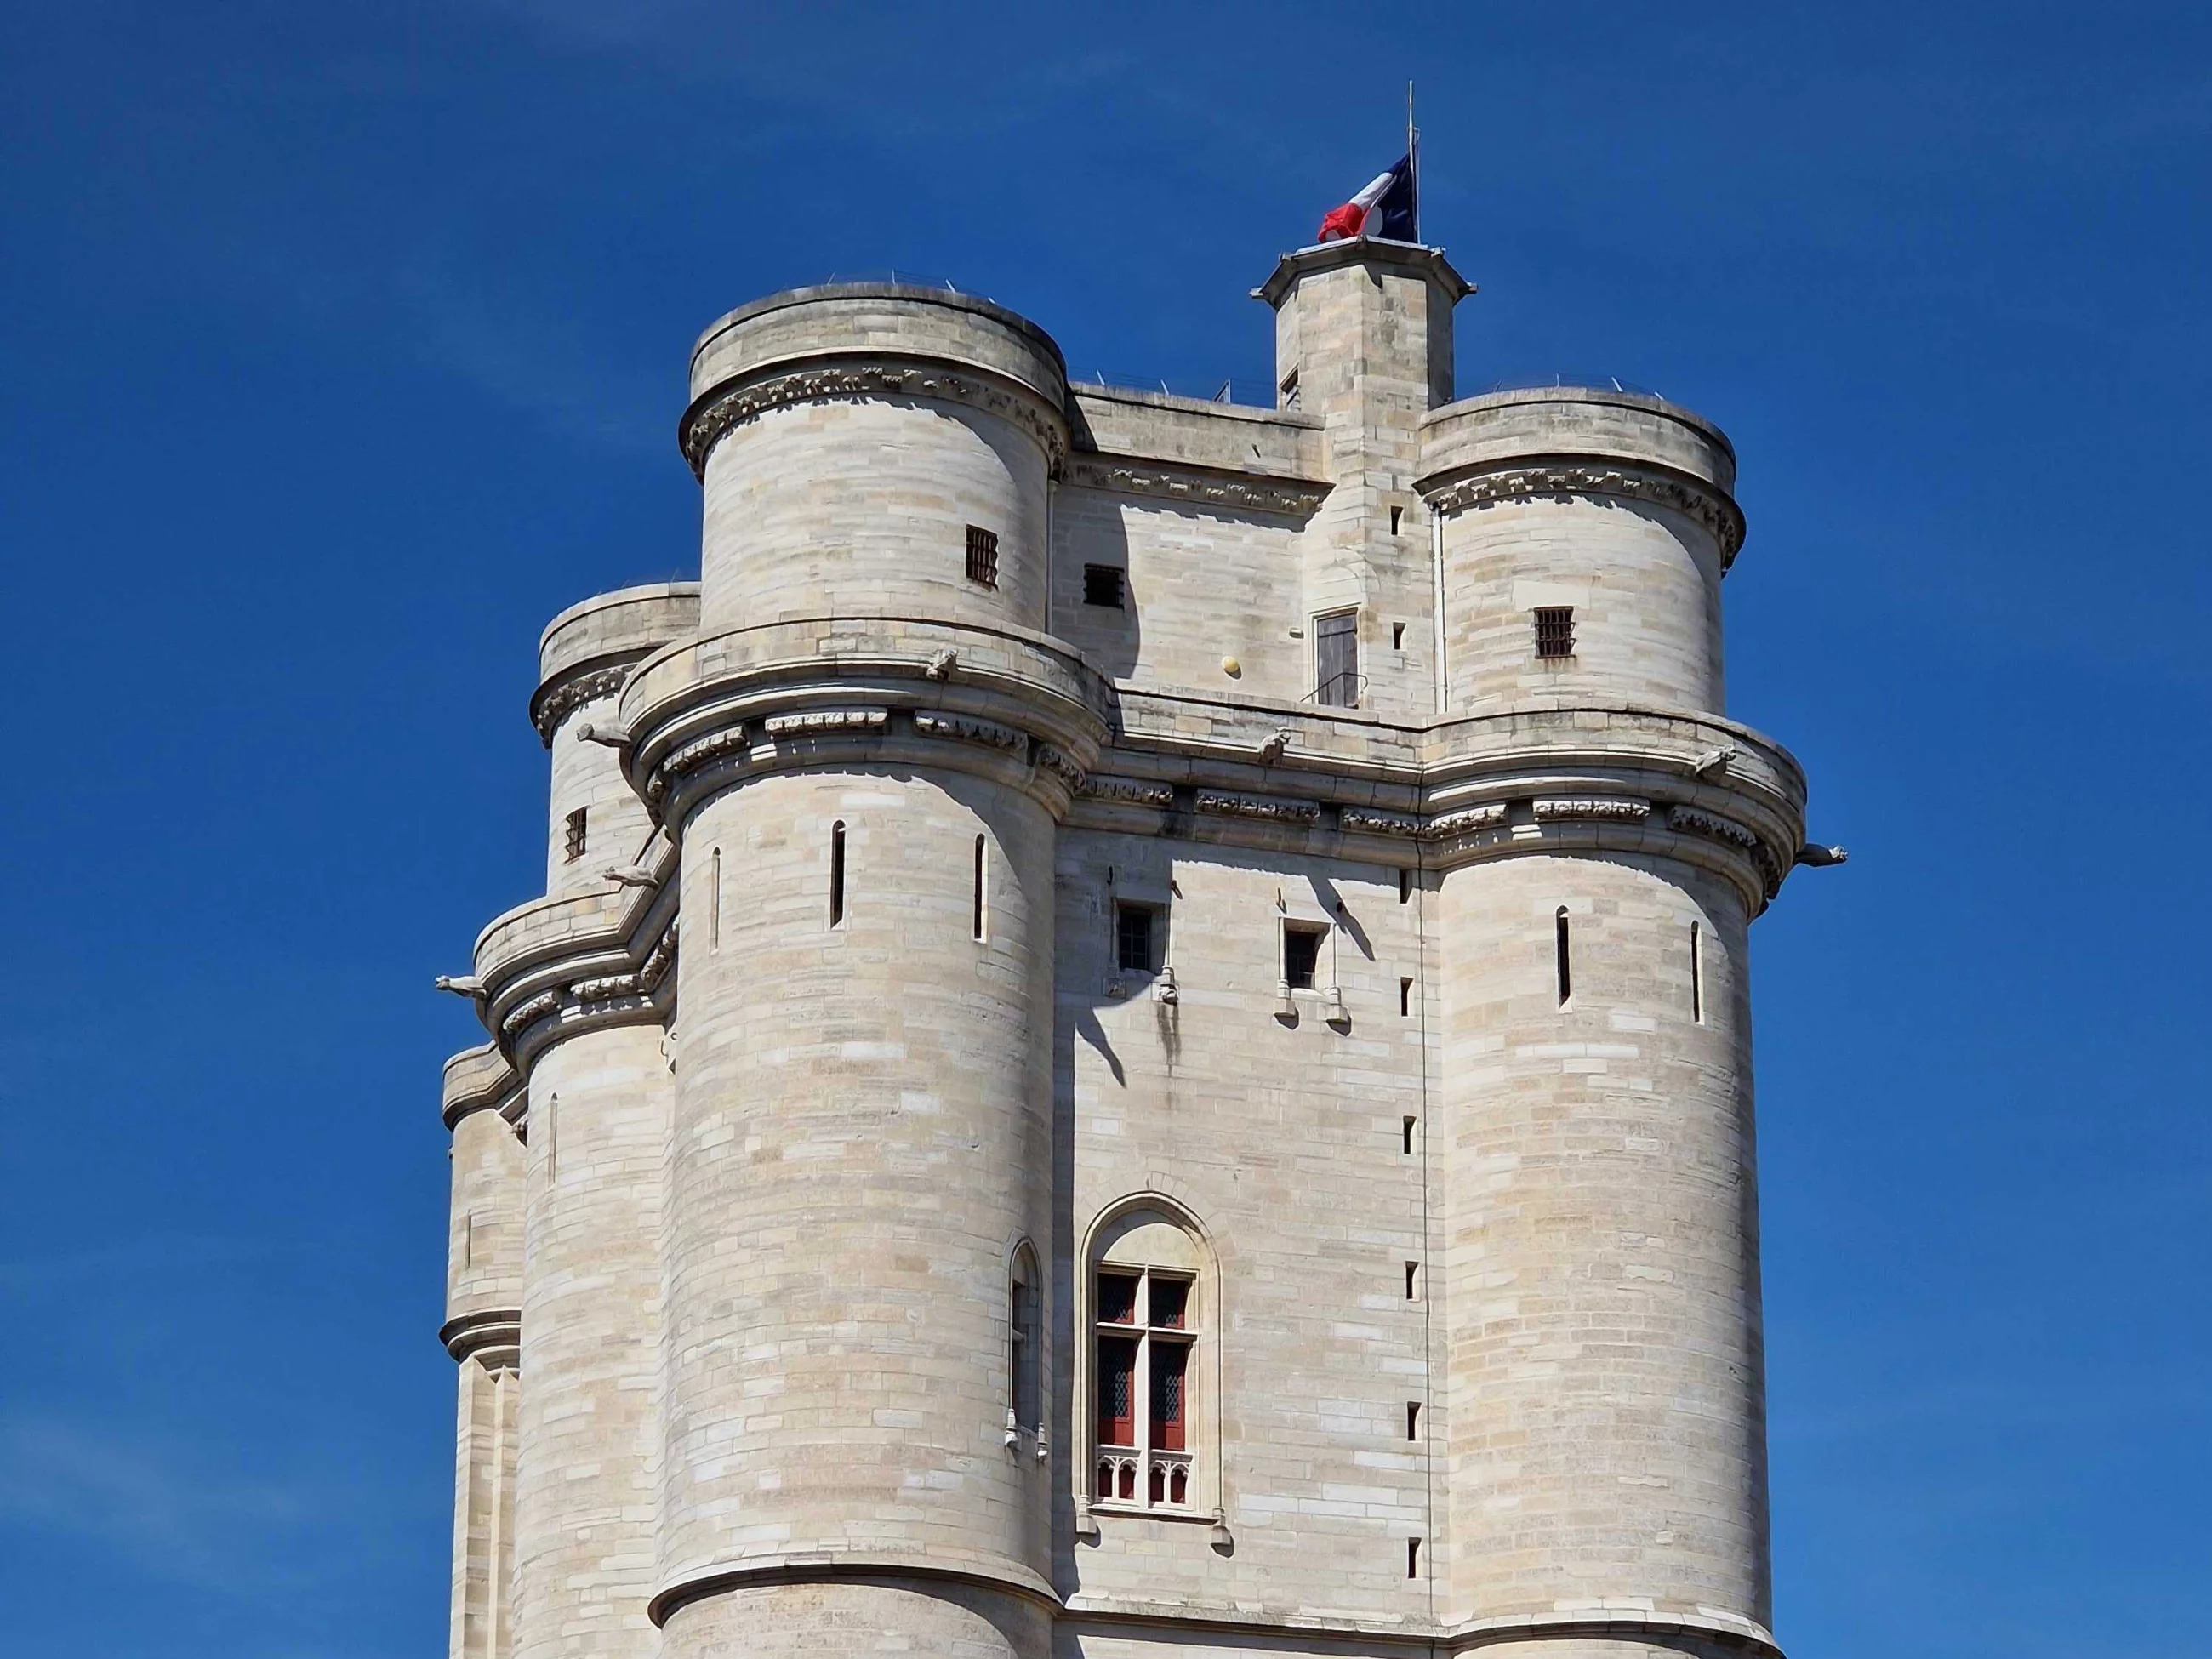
[{"x": 1386, "y": 208}]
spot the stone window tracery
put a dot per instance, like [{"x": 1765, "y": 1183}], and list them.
[{"x": 1147, "y": 1385}]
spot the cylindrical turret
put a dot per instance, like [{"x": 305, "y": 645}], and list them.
[
  {"x": 595, "y": 819},
  {"x": 1584, "y": 537},
  {"x": 483, "y": 1332},
  {"x": 862, "y": 1132},
  {"x": 870, "y": 450}
]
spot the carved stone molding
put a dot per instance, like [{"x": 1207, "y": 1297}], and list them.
[
  {"x": 571, "y": 695},
  {"x": 967, "y": 728},
  {"x": 1258, "y": 806},
  {"x": 1698, "y": 822},
  {"x": 529, "y": 1013},
  {"x": 1465, "y": 821},
  {"x": 1050, "y": 759},
  {"x": 1253, "y": 493},
  {"x": 1611, "y": 809},
  {"x": 1126, "y": 791},
  {"x": 1367, "y": 821},
  {"x": 813, "y": 722},
  {"x": 1711, "y": 508},
  {"x": 720, "y": 411}
]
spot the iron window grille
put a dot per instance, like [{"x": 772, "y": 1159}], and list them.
[
  {"x": 1103, "y": 585},
  {"x": 1555, "y": 630},
  {"x": 572, "y": 836},
  {"x": 982, "y": 556}
]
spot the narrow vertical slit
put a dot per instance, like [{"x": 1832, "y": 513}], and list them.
[
  {"x": 714, "y": 901},
  {"x": 980, "y": 868},
  {"x": 837, "y": 873},
  {"x": 1409, "y": 1135},
  {"x": 1413, "y": 1268},
  {"x": 1566, "y": 982},
  {"x": 1412, "y": 1419},
  {"x": 1412, "y": 1558},
  {"x": 468, "y": 1239},
  {"x": 552, "y": 1137},
  {"x": 1405, "y": 998},
  {"x": 1697, "y": 972},
  {"x": 1405, "y": 886}
]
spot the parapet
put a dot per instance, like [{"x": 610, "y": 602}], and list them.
[
  {"x": 865, "y": 327},
  {"x": 600, "y": 638}
]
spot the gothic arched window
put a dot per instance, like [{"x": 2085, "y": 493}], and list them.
[{"x": 1148, "y": 1311}]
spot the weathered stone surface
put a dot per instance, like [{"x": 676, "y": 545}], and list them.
[{"x": 1421, "y": 1063}]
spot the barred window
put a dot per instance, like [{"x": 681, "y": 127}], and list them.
[
  {"x": 983, "y": 557},
  {"x": 574, "y": 836},
  {"x": 1136, "y": 938},
  {"x": 1103, "y": 585},
  {"x": 1555, "y": 630}
]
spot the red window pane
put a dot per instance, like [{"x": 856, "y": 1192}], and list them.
[
  {"x": 1169, "y": 1362},
  {"x": 1117, "y": 1298},
  {"x": 1170, "y": 1297},
  {"x": 1179, "y": 1486},
  {"x": 1117, "y": 1391}
]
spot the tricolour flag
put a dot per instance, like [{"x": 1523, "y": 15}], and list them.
[{"x": 1386, "y": 208}]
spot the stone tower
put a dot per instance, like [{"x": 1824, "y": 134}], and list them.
[{"x": 1202, "y": 1095}]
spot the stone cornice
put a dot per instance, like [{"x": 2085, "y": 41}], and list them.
[
  {"x": 495, "y": 1333},
  {"x": 480, "y": 1079},
  {"x": 1489, "y": 484},
  {"x": 559, "y": 698},
  {"x": 1202, "y": 486},
  {"x": 844, "y": 376}
]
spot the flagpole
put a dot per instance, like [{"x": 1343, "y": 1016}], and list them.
[{"x": 1413, "y": 159}]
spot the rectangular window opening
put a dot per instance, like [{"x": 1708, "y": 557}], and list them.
[
  {"x": 837, "y": 874},
  {"x": 1412, "y": 1280},
  {"x": 982, "y": 556},
  {"x": 1412, "y": 1419},
  {"x": 1117, "y": 1298},
  {"x": 1301, "y": 954},
  {"x": 1103, "y": 585},
  {"x": 1136, "y": 938},
  {"x": 1397, "y": 637},
  {"x": 1405, "y": 998},
  {"x": 1336, "y": 660},
  {"x": 1408, "y": 1145},
  {"x": 1560, "y": 939},
  {"x": 1397, "y": 517},
  {"x": 1170, "y": 1303},
  {"x": 1696, "y": 974},
  {"x": 573, "y": 834},
  {"x": 714, "y": 901},
  {"x": 1405, "y": 886},
  {"x": 982, "y": 867},
  {"x": 1555, "y": 630},
  {"x": 1412, "y": 1558}
]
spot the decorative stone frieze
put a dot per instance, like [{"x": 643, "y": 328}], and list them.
[
  {"x": 1607, "y": 808},
  {"x": 1367, "y": 821},
  {"x": 815, "y": 722},
  {"x": 1251, "y": 493},
  {"x": 1128, "y": 792},
  {"x": 722, "y": 410},
  {"x": 968, "y": 729},
  {"x": 1465, "y": 821},
  {"x": 1698, "y": 822},
  {"x": 569, "y": 695},
  {"x": 529, "y": 1012},
  {"x": 1051, "y": 759},
  {"x": 1258, "y": 806},
  {"x": 692, "y": 755},
  {"x": 1720, "y": 517}
]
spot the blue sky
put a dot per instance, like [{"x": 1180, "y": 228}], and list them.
[{"x": 345, "y": 345}]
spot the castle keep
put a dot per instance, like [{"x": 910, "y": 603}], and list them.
[{"x": 1138, "y": 1041}]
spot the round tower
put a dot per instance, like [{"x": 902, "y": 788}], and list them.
[
  {"x": 1605, "y": 1417},
  {"x": 863, "y": 760},
  {"x": 1586, "y": 534}
]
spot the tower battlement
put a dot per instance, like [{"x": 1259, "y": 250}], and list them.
[{"x": 1140, "y": 1031}]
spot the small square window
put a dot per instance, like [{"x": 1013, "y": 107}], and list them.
[
  {"x": 1301, "y": 954},
  {"x": 983, "y": 557},
  {"x": 1136, "y": 937},
  {"x": 1170, "y": 1300},
  {"x": 1555, "y": 630},
  {"x": 574, "y": 837},
  {"x": 1103, "y": 585}
]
